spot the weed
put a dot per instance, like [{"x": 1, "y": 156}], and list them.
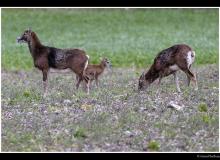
[
  {"x": 80, "y": 133},
  {"x": 27, "y": 93},
  {"x": 203, "y": 107},
  {"x": 153, "y": 146},
  {"x": 206, "y": 119}
]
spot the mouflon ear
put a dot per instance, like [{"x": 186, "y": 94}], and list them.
[{"x": 29, "y": 29}]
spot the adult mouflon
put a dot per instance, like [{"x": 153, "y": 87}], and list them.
[
  {"x": 167, "y": 62},
  {"x": 45, "y": 57}
]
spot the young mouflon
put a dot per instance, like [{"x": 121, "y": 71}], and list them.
[
  {"x": 93, "y": 71},
  {"x": 167, "y": 62}
]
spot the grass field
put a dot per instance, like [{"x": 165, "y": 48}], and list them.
[
  {"x": 114, "y": 117},
  {"x": 128, "y": 37}
]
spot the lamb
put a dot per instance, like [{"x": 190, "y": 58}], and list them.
[{"x": 93, "y": 71}]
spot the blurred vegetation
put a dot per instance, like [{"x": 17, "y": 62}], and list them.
[{"x": 128, "y": 37}]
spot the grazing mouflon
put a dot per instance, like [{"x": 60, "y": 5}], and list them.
[
  {"x": 45, "y": 57},
  {"x": 167, "y": 62}
]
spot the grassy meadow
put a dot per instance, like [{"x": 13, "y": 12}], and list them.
[
  {"x": 113, "y": 118},
  {"x": 128, "y": 37}
]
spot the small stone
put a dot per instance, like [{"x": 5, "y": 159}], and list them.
[
  {"x": 66, "y": 131},
  {"x": 29, "y": 113},
  {"x": 107, "y": 144},
  {"x": 35, "y": 104},
  {"x": 141, "y": 109},
  {"x": 66, "y": 101},
  {"x": 128, "y": 133},
  {"x": 174, "y": 106}
]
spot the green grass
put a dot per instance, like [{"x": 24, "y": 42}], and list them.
[
  {"x": 154, "y": 146},
  {"x": 128, "y": 37},
  {"x": 80, "y": 133},
  {"x": 203, "y": 107}
]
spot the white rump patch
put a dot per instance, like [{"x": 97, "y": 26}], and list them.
[
  {"x": 87, "y": 62},
  {"x": 174, "y": 67},
  {"x": 190, "y": 57}
]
